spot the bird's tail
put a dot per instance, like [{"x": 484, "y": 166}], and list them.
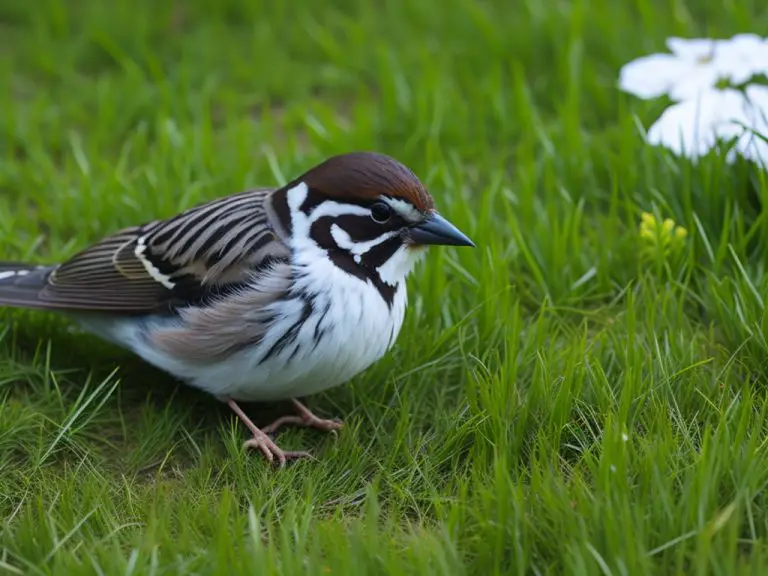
[{"x": 20, "y": 284}]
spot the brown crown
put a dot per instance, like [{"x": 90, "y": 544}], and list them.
[{"x": 368, "y": 175}]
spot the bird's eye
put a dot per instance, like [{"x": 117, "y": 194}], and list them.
[{"x": 381, "y": 212}]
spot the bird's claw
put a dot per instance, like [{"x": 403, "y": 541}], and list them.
[
  {"x": 304, "y": 421},
  {"x": 270, "y": 450}
]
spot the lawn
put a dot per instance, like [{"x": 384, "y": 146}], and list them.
[{"x": 562, "y": 399}]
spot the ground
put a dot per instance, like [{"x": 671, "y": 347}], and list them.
[{"x": 559, "y": 400}]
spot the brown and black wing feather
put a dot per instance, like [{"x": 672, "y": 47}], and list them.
[
  {"x": 20, "y": 284},
  {"x": 156, "y": 267}
]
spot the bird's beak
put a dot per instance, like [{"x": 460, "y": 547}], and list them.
[{"x": 437, "y": 230}]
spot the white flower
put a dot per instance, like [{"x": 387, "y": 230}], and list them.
[
  {"x": 694, "y": 127},
  {"x": 695, "y": 65},
  {"x": 748, "y": 54}
]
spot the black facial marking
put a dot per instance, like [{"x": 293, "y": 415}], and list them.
[
  {"x": 346, "y": 262},
  {"x": 313, "y": 200},
  {"x": 379, "y": 254},
  {"x": 280, "y": 206},
  {"x": 359, "y": 228},
  {"x": 320, "y": 232}
]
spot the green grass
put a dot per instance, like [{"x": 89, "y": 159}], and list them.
[{"x": 556, "y": 403}]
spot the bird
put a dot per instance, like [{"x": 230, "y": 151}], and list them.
[{"x": 265, "y": 295}]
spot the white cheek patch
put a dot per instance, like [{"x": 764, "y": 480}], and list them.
[
  {"x": 402, "y": 262},
  {"x": 151, "y": 269},
  {"x": 343, "y": 240}
]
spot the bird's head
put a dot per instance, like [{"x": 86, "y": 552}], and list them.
[{"x": 367, "y": 211}]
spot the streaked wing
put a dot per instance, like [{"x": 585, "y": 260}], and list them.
[{"x": 199, "y": 253}]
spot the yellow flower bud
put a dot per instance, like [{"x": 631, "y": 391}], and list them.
[{"x": 647, "y": 219}]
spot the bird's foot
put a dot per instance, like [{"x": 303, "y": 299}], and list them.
[
  {"x": 262, "y": 442},
  {"x": 304, "y": 418},
  {"x": 272, "y": 451}
]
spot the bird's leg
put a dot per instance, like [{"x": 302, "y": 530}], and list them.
[
  {"x": 261, "y": 441},
  {"x": 305, "y": 418}
]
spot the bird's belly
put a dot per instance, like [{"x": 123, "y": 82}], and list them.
[
  {"x": 329, "y": 365},
  {"x": 342, "y": 338},
  {"x": 338, "y": 341}
]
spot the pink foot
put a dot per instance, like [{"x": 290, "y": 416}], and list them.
[{"x": 262, "y": 442}]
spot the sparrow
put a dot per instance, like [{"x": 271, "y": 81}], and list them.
[{"x": 264, "y": 295}]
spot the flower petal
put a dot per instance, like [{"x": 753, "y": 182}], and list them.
[
  {"x": 694, "y": 81},
  {"x": 651, "y": 76},
  {"x": 757, "y": 97},
  {"x": 675, "y": 130},
  {"x": 692, "y": 128},
  {"x": 697, "y": 65},
  {"x": 742, "y": 44},
  {"x": 741, "y": 57},
  {"x": 691, "y": 48}
]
